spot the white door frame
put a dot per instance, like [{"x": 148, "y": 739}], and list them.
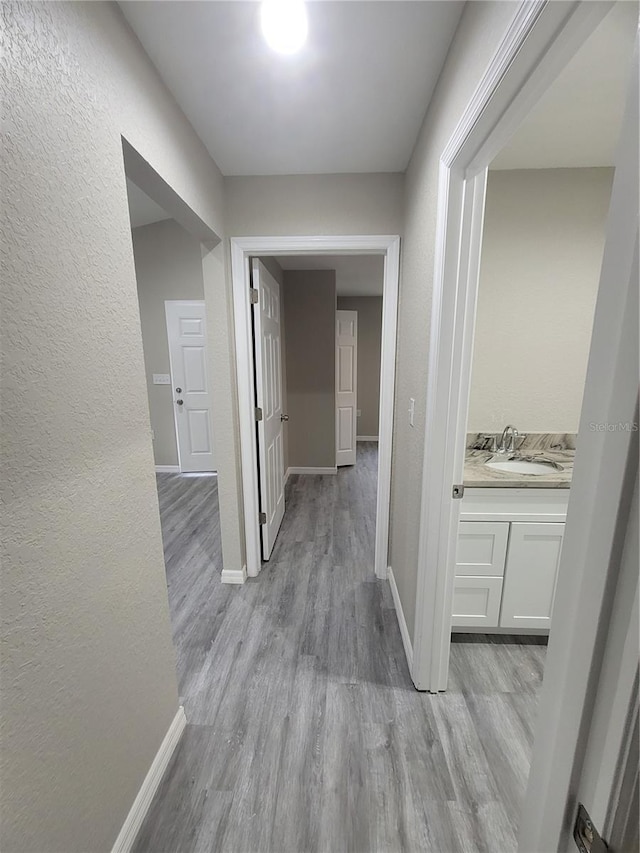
[
  {"x": 541, "y": 40},
  {"x": 242, "y": 248}
]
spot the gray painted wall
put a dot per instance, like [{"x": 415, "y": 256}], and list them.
[
  {"x": 287, "y": 205},
  {"x": 168, "y": 264},
  {"x": 310, "y": 315},
  {"x": 481, "y": 27},
  {"x": 542, "y": 248},
  {"x": 88, "y": 668},
  {"x": 369, "y": 310}
]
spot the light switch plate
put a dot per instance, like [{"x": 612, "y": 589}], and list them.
[
  {"x": 412, "y": 409},
  {"x": 359, "y": 412},
  {"x": 161, "y": 379}
]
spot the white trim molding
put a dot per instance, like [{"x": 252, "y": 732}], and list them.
[
  {"x": 366, "y": 438},
  {"x": 167, "y": 469},
  {"x": 234, "y": 575},
  {"x": 402, "y": 622},
  {"x": 130, "y": 828},
  {"x": 244, "y": 248},
  {"x": 303, "y": 470}
]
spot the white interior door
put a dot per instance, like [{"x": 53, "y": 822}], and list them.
[
  {"x": 187, "y": 336},
  {"x": 346, "y": 386},
  {"x": 268, "y": 362}
]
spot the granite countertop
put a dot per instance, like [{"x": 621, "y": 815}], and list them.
[{"x": 559, "y": 448}]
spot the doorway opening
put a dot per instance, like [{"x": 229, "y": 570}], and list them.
[
  {"x": 540, "y": 218},
  {"x": 588, "y": 566},
  {"x": 173, "y": 328},
  {"x": 317, "y": 337},
  {"x": 256, "y": 382}
]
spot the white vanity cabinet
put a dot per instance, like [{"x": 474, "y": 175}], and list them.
[{"x": 507, "y": 559}]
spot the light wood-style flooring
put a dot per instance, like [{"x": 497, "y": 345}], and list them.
[{"x": 305, "y": 732}]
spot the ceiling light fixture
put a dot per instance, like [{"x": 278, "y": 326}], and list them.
[{"x": 284, "y": 24}]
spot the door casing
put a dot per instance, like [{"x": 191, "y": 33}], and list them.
[
  {"x": 244, "y": 248},
  {"x": 542, "y": 38}
]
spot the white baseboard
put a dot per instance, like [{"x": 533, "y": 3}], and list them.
[
  {"x": 286, "y": 476},
  {"x": 333, "y": 470},
  {"x": 131, "y": 826},
  {"x": 234, "y": 575},
  {"x": 366, "y": 438},
  {"x": 516, "y": 632},
  {"x": 167, "y": 469},
  {"x": 404, "y": 631}
]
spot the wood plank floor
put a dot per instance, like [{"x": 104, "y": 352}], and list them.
[{"x": 304, "y": 730}]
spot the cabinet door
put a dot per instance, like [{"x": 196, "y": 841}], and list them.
[
  {"x": 476, "y": 602},
  {"x": 530, "y": 575},
  {"x": 482, "y": 546}
]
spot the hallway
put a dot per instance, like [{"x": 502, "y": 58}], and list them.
[{"x": 304, "y": 730}]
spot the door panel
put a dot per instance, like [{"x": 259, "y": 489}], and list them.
[
  {"x": 345, "y": 430},
  {"x": 476, "y": 602},
  {"x": 268, "y": 354},
  {"x": 194, "y": 370},
  {"x": 531, "y": 573},
  {"x": 345, "y": 370},
  {"x": 186, "y": 333},
  {"x": 199, "y": 431},
  {"x": 346, "y": 386},
  {"x": 482, "y": 548}
]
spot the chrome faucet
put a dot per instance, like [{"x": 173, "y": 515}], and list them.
[{"x": 508, "y": 432}]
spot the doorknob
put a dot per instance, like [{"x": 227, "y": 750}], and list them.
[
  {"x": 284, "y": 417},
  {"x": 179, "y": 402}
]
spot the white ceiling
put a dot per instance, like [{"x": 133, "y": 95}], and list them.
[
  {"x": 578, "y": 120},
  {"x": 352, "y": 100},
  {"x": 356, "y": 275},
  {"x": 142, "y": 209}
]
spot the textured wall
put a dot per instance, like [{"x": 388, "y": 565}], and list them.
[
  {"x": 168, "y": 264},
  {"x": 314, "y": 204},
  {"x": 481, "y": 28},
  {"x": 310, "y": 316},
  {"x": 369, "y": 310},
  {"x": 89, "y": 686},
  {"x": 541, "y": 256}
]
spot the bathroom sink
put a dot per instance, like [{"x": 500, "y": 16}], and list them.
[{"x": 521, "y": 466}]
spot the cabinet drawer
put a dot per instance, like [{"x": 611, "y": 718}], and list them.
[
  {"x": 530, "y": 578},
  {"x": 476, "y": 602},
  {"x": 482, "y": 548}
]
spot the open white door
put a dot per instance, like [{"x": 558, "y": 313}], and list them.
[
  {"x": 187, "y": 336},
  {"x": 268, "y": 363},
  {"x": 346, "y": 386}
]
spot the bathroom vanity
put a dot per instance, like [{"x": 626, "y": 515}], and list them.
[{"x": 509, "y": 544}]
